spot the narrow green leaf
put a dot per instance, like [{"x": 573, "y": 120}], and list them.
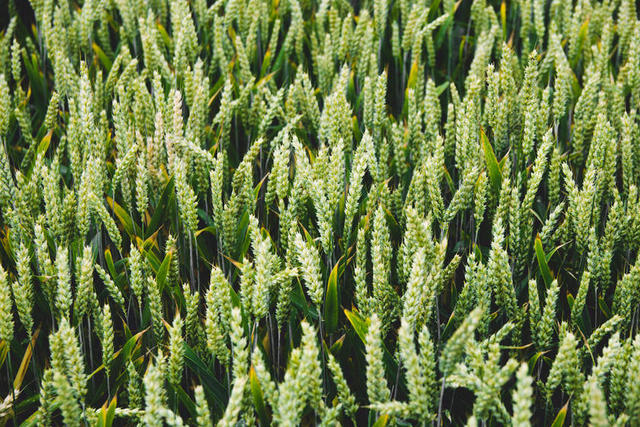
[
  {"x": 562, "y": 414},
  {"x": 102, "y": 57},
  {"x": 331, "y": 301},
  {"x": 163, "y": 270},
  {"x": 111, "y": 412},
  {"x": 185, "y": 400},
  {"x": 359, "y": 324},
  {"x": 123, "y": 217},
  {"x": 546, "y": 273},
  {"x": 382, "y": 421},
  {"x": 604, "y": 307},
  {"x": 493, "y": 169},
  {"x": 161, "y": 210},
  {"x": 258, "y": 398},
  {"x": 208, "y": 379}
]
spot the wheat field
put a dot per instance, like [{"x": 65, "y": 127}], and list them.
[{"x": 296, "y": 212}]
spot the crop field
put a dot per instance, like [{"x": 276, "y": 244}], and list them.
[{"x": 334, "y": 212}]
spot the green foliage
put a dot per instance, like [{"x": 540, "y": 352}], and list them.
[{"x": 319, "y": 212}]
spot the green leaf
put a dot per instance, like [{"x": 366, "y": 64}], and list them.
[
  {"x": 546, "y": 273},
  {"x": 127, "y": 350},
  {"x": 26, "y": 359},
  {"x": 163, "y": 271},
  {"x": 154, "y": 261},
  {"x": 503, "y": 19},
  {"x": 443, "y": 31},
  {"x": 534, "y": 360},
  {"x": 166, "y": 39},
  {"x": 123, "y": 217},
  {"x": 579, "y": 42},
  {"x": 413, "y": 75},
  {"x": 185, "y": 400},
  {"x": 208, "y": 229},
  {"x": 359, "y": 324},
  {"x": 258, "y": 398},
  {"x": 493, "y": 169},
  {"x": 562, "y": 414},
  {"x": 108, "y": 259},
  {"x": 108, "y": 413},
  {"x": 337, "y": 346},
  {"x": 280, "y": 59},
  {"x": 331, "y": 301},
  {"x": 43, "y": 146},
  {"x": 570, "y": 300},
  {"x": 126, "y": 353},
  {"x": 266, "y": 62},
  {"x": 603, "y": 307},
  {"x": 449, "y": 325},
  {"x": 4, "y": 349},
  {"x": 441, "y": 88},
  {"x": 37, "y": 81},
  {"x": 111, "y": 413},
  {"x": 161, "y": 210},
  {"x": 102, "y": 57},
  {"x": 382, "y": 421},
  {"x": 102, "y": 416},
  {"x": 212, "y": 387},
  {"x": 298, "y": 299},
  {"x": 434, "y": 10}
]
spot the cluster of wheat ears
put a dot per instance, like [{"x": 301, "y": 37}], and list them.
[{"x": 297, "y": 212}]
